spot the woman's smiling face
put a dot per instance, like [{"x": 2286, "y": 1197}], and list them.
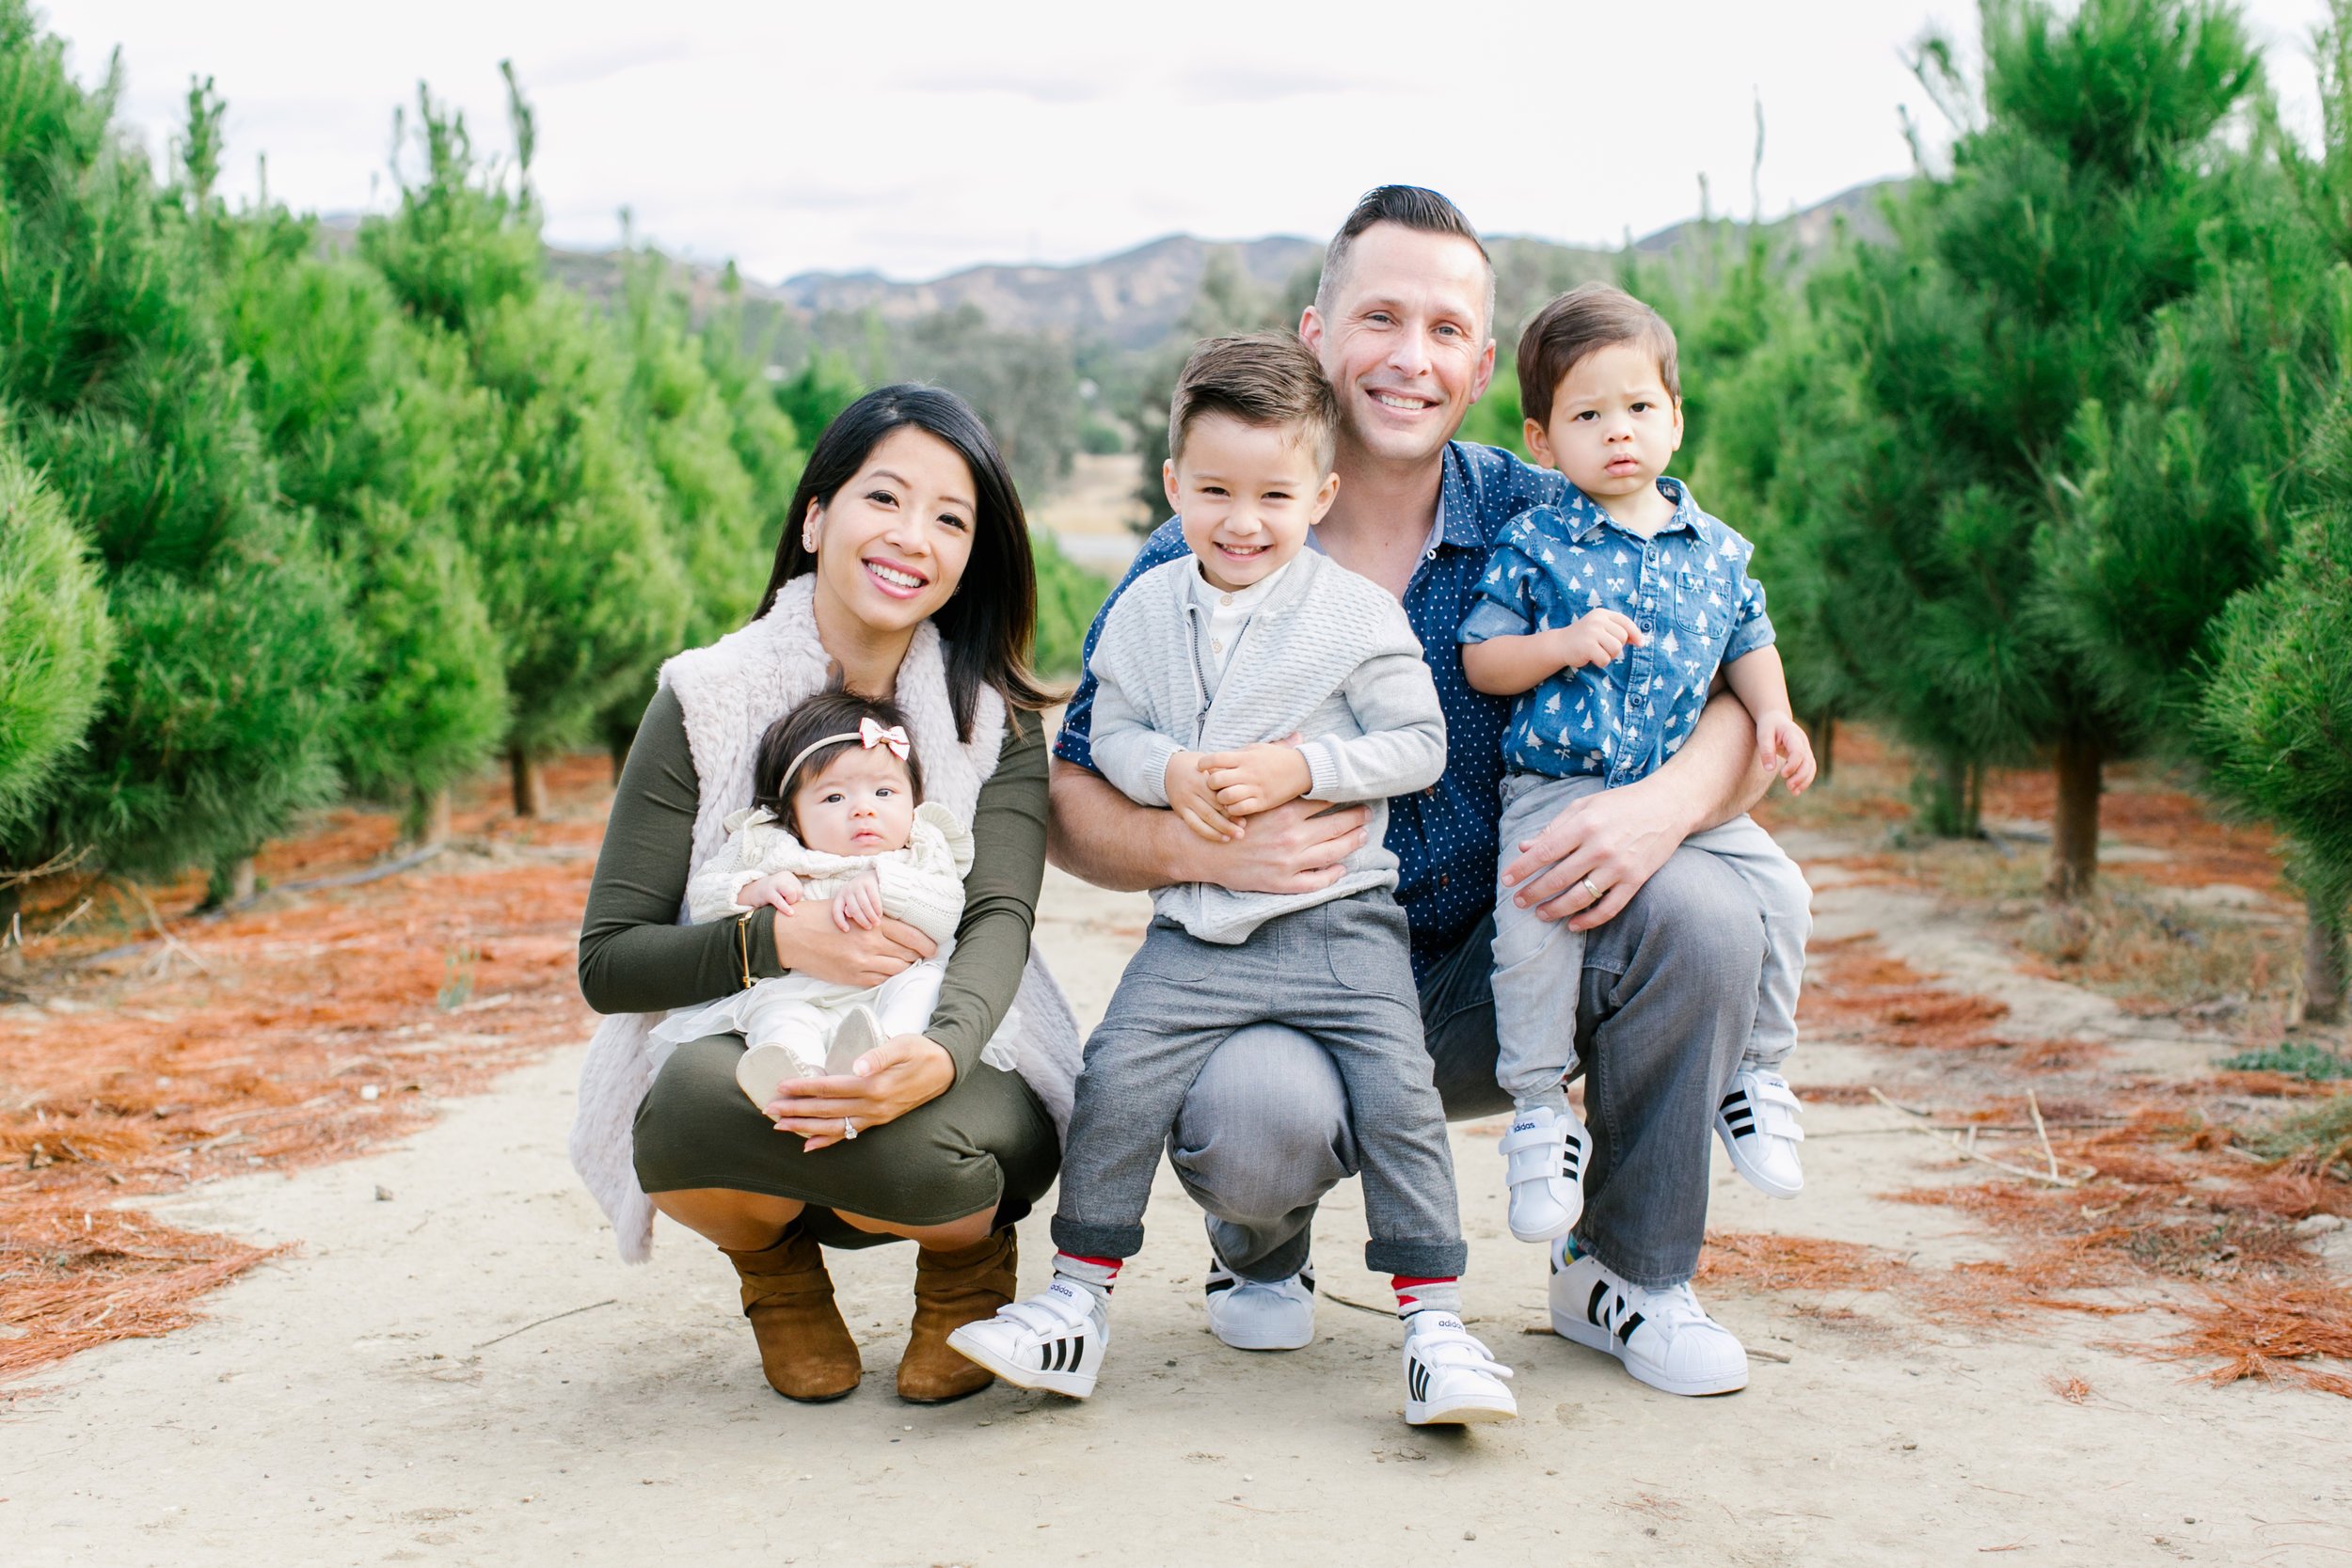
[{"x": 891, "y": 544}]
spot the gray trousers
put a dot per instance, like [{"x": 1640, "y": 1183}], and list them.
[
  {"x": 1667, "y": 996},
  {"x": 1334, "y": 978},
  {"x": 1533, "y": 957}
]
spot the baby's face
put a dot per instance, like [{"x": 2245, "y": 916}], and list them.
[
  {"x": 1247, "y": 494},
  {"x": 1614, "y": 425},
  {"x": 863, "y": 803}
]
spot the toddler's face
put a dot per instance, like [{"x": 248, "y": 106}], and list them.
[
  {"x": 863, "y": 803},
  {"x": 1614, "y": 425},
  {"x": 1247, "y": 494}
]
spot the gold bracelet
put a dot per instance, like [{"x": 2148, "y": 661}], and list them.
[{"x": 743, "y": 947}]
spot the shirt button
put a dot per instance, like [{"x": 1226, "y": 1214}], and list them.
[
  {"x": 1225, "y": 598},
  {"x": 1215, "y": 646}
]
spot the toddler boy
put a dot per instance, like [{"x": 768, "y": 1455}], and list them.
[
  {"x": 1248, "y": 675},
  {"x": 1608, "y": 617}
]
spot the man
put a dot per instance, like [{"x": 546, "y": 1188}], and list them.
[{"x": 1402, "y": 324}]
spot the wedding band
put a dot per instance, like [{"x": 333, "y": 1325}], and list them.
[
  {"x": 1591, "y": 891},
  {"x": 849, "y": 1128}
]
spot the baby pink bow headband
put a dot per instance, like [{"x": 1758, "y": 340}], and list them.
[{"x": 869, "y": 735}]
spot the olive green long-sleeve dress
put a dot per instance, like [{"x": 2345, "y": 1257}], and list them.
[{"x": 987, "y": 1141}]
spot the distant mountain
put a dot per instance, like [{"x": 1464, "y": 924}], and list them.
[
  {"x": 1133, "y": 299},
  {"x": 1136, "y": 298}
]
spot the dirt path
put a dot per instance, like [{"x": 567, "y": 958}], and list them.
[{"x": 451, "y": 1368}]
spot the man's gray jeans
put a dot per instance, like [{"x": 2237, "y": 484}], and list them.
[{"x": 1663, "y": 1014}]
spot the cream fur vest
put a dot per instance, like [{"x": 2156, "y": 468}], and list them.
[{"x": 731, "y": 693}]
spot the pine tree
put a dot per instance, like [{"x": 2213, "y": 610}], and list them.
[
  {"x": 555, "y": 498},
  {"x": 2088, "y": 188},
  {"x": 55, "y": 642},
  {"x": 368, "y": 447},
  {"x": 2276, "y": 716},
  {"x": 222, "y": 698}
]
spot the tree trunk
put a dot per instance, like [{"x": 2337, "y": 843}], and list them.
[
  {"x": 232, "y": 882},
  {"x": 531, "y": 783},
  {"x": 2324, "y": 962},
  {"x": 427, "y": 819},
  {"x": 1945, "y": 798},
  {"x": 2074, "y": 831},
  {"x": 11, "y": 933}
]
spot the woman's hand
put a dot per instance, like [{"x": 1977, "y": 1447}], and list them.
[
  {"x": 857, "y": 957},
  {"x": 890, "y": 1079}
]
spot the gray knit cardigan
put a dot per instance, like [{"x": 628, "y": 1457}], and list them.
[{"x": 1328, "y": 655}]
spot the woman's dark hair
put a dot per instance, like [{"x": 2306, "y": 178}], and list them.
[
  {"x": 990, "y": 622},
  {"x": 833, "y": 712}
]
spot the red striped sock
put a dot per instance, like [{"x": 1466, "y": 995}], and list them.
[
  {"x": 1416, "y": 1294},
  {"x": 1096, "y": 1273}
]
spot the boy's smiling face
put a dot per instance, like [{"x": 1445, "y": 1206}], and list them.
[
  {"x": 1247, "y": 494},
  {"x": 1614, "y": 425}
]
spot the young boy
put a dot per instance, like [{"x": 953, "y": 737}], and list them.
[
  {"x": 1233, "y": 680},
  {"x": 1608, "y": 618}
]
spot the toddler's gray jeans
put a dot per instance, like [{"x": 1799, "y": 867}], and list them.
[
  {"x": 1662, "y": 1016},
  {"x": 1536, "y": 961},
  {"x": 1337, "y": 977}
]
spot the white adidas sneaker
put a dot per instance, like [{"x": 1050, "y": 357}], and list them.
[
  {"x": 1053, "y": 1340},
  {"x": 1547, "y": 1151},
  {"x": 1662, "y": 1336},
  {"x": 1252, "y": 1314},
  {"x": 1450, "y": 1378},
  {"x": 1757, "y": 1122}
]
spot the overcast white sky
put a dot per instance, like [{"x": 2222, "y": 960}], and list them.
[{"x": 920, "y": 136}]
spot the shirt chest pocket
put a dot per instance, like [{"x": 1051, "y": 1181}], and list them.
[{"x": 1700, "y": 604}]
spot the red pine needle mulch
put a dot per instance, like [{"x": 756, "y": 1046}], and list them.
[{"x": 321, "y": 1025}]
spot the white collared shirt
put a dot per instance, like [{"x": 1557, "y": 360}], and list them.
[{"x": 1228, "y": 613}]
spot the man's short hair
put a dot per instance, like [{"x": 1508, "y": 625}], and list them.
[
  {"x": 1588, "y": 318},
  {"x": 1263, "y": 379},
  {"x": 1414, "y": 207}
]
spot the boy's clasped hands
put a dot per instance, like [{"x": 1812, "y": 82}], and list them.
[{"x": 1213, "y": 791}]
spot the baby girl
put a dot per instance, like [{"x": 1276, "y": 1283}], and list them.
[{"x": 836, "y": 821}]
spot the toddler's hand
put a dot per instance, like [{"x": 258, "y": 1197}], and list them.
[
  {"x": 859, "y": 904},
  {"x": 1784, "y": 748},
  {"x": 782, "y": 889},
  {"x": 1598, "y": 638},
  {"x": 1191, "y": 797},
  {"x": 1257, "y": 778}
]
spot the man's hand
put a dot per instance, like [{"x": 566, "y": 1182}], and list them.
[
  {"x": 1193, "y": 799},
  {"x": 1783, "y": 747},
  {"x": 1598, "y": 638},
  {"x": 1297, "y": 848},
  {"x": 1257, "y": 778},
  {"x": 851, "y": 958},
  {"x": 1606, "y": 844},
  {"x": 780, "y": 888},
  {"x": 859, "y": 903}
]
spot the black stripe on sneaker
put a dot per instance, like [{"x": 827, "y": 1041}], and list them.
[
  {"x": 1225, "y": 1282},
  {"x": 1592, "y": 1307},
  {"x": 1625, "y": 1329}
]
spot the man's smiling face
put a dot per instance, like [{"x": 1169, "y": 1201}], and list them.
[{"x": 1405, "y": 342}]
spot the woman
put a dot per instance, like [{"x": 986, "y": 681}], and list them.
[{"x": 908, "y": 577}]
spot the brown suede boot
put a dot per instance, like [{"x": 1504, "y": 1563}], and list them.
[
  {"x": 952, "y": 1289},
  {"x": 804, "y": 1347}
]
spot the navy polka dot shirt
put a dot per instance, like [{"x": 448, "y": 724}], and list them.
[{"x": 1444, "y": 837}]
